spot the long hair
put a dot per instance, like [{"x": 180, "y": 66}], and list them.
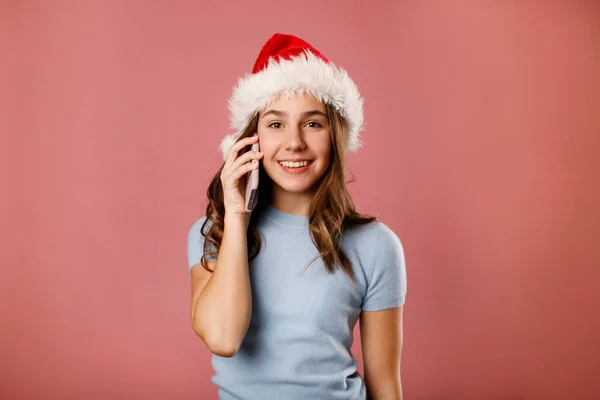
[{"x": 330, "y": 212}]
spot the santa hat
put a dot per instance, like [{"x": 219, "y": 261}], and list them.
[{"x": 287, "y": 65}]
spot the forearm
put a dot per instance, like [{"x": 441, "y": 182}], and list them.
[
  {"x": 390, "y": 396},
  {"x": 394, "y": 392},
  {"x": 224, "y": 307}
]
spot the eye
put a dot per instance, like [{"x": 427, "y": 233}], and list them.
[
  {"x": 273, "y": 123},
  {"x": 316, "y": 124}
]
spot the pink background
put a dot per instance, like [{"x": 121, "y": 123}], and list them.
[{"x": 482, "y": 153}]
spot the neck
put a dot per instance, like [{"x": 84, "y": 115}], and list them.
[{"x": 291, "y": 202}]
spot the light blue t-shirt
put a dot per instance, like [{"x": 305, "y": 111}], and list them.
[{"x": 300, "y": 334}]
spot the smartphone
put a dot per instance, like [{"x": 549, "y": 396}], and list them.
[{"x": 252, "y": 184}]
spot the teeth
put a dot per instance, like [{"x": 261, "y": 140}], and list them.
[{"x": 289, "y": 164}]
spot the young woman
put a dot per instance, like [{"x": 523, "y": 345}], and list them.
[{"x": 276, "y": 292}]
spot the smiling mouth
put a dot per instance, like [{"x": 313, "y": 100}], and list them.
[{"x": 294, "y": 164}]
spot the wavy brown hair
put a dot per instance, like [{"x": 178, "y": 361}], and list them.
[{"x": 330, "y": 212}]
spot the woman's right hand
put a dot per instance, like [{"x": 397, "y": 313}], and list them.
[{"x": 234, "y": 187}]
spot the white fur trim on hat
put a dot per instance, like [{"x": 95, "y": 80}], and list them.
[{"x": 305, "y": 73}]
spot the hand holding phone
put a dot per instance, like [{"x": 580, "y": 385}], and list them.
[
  {"x": 252, "y": 184},
  {"x": 235, "y": 178}
]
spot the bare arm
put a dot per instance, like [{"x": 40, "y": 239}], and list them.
[
  {"x": 381, "y": 337},
  {"x": 221, "y": 310},
  {"x": 222, "y": 301}
]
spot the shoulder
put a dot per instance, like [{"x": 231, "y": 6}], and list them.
[
  {"x": 387, "y": 239},
  {"x": 196, "y": 227},
  {"x": 377, "y": 245},
  {"x": 374, "y": 244},
  {"x": 362, "y": 232},
  {"x": 376, "y": 234},
  {"x": 385, "y": 270},
  {"x": 198, "y": 231}
]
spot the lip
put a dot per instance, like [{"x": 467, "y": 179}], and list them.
[{"x": 295, "y": 171}]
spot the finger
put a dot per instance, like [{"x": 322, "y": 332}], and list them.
[
  {"x": 245, "y": 158},
  {"x": 244, "y": 161},
  {"x": 241, "y": 160},
  {"x": 243, "y": 169},
  {"x": 237, "y": 146}
]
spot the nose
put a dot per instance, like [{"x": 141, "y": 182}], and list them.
[{"x": 294, "y": 140}]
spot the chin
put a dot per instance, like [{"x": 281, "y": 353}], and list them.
[{"x": 295, "y": 187}]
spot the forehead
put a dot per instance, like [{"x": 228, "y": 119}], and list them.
[{"x": 298, "y": 102}]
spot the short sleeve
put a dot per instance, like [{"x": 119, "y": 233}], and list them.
[
  {"x": 195, "y": 245},
  {"x": 386, "y": 277}
]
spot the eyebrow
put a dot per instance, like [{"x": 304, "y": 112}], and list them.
[{"x": 305, "y": 114}]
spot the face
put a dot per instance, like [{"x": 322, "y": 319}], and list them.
[{"x": 294, "y": 136}]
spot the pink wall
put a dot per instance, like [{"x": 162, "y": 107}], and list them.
[{"x": 482, "y": 144}]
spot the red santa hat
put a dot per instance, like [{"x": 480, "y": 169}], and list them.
[{"x": 287, "y": 65}]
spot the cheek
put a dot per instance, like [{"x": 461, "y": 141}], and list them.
[
  {"x": 267, "y": 149},
  {"x": 266, "y": 145},
  {"x": 322, "y": 147}
]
